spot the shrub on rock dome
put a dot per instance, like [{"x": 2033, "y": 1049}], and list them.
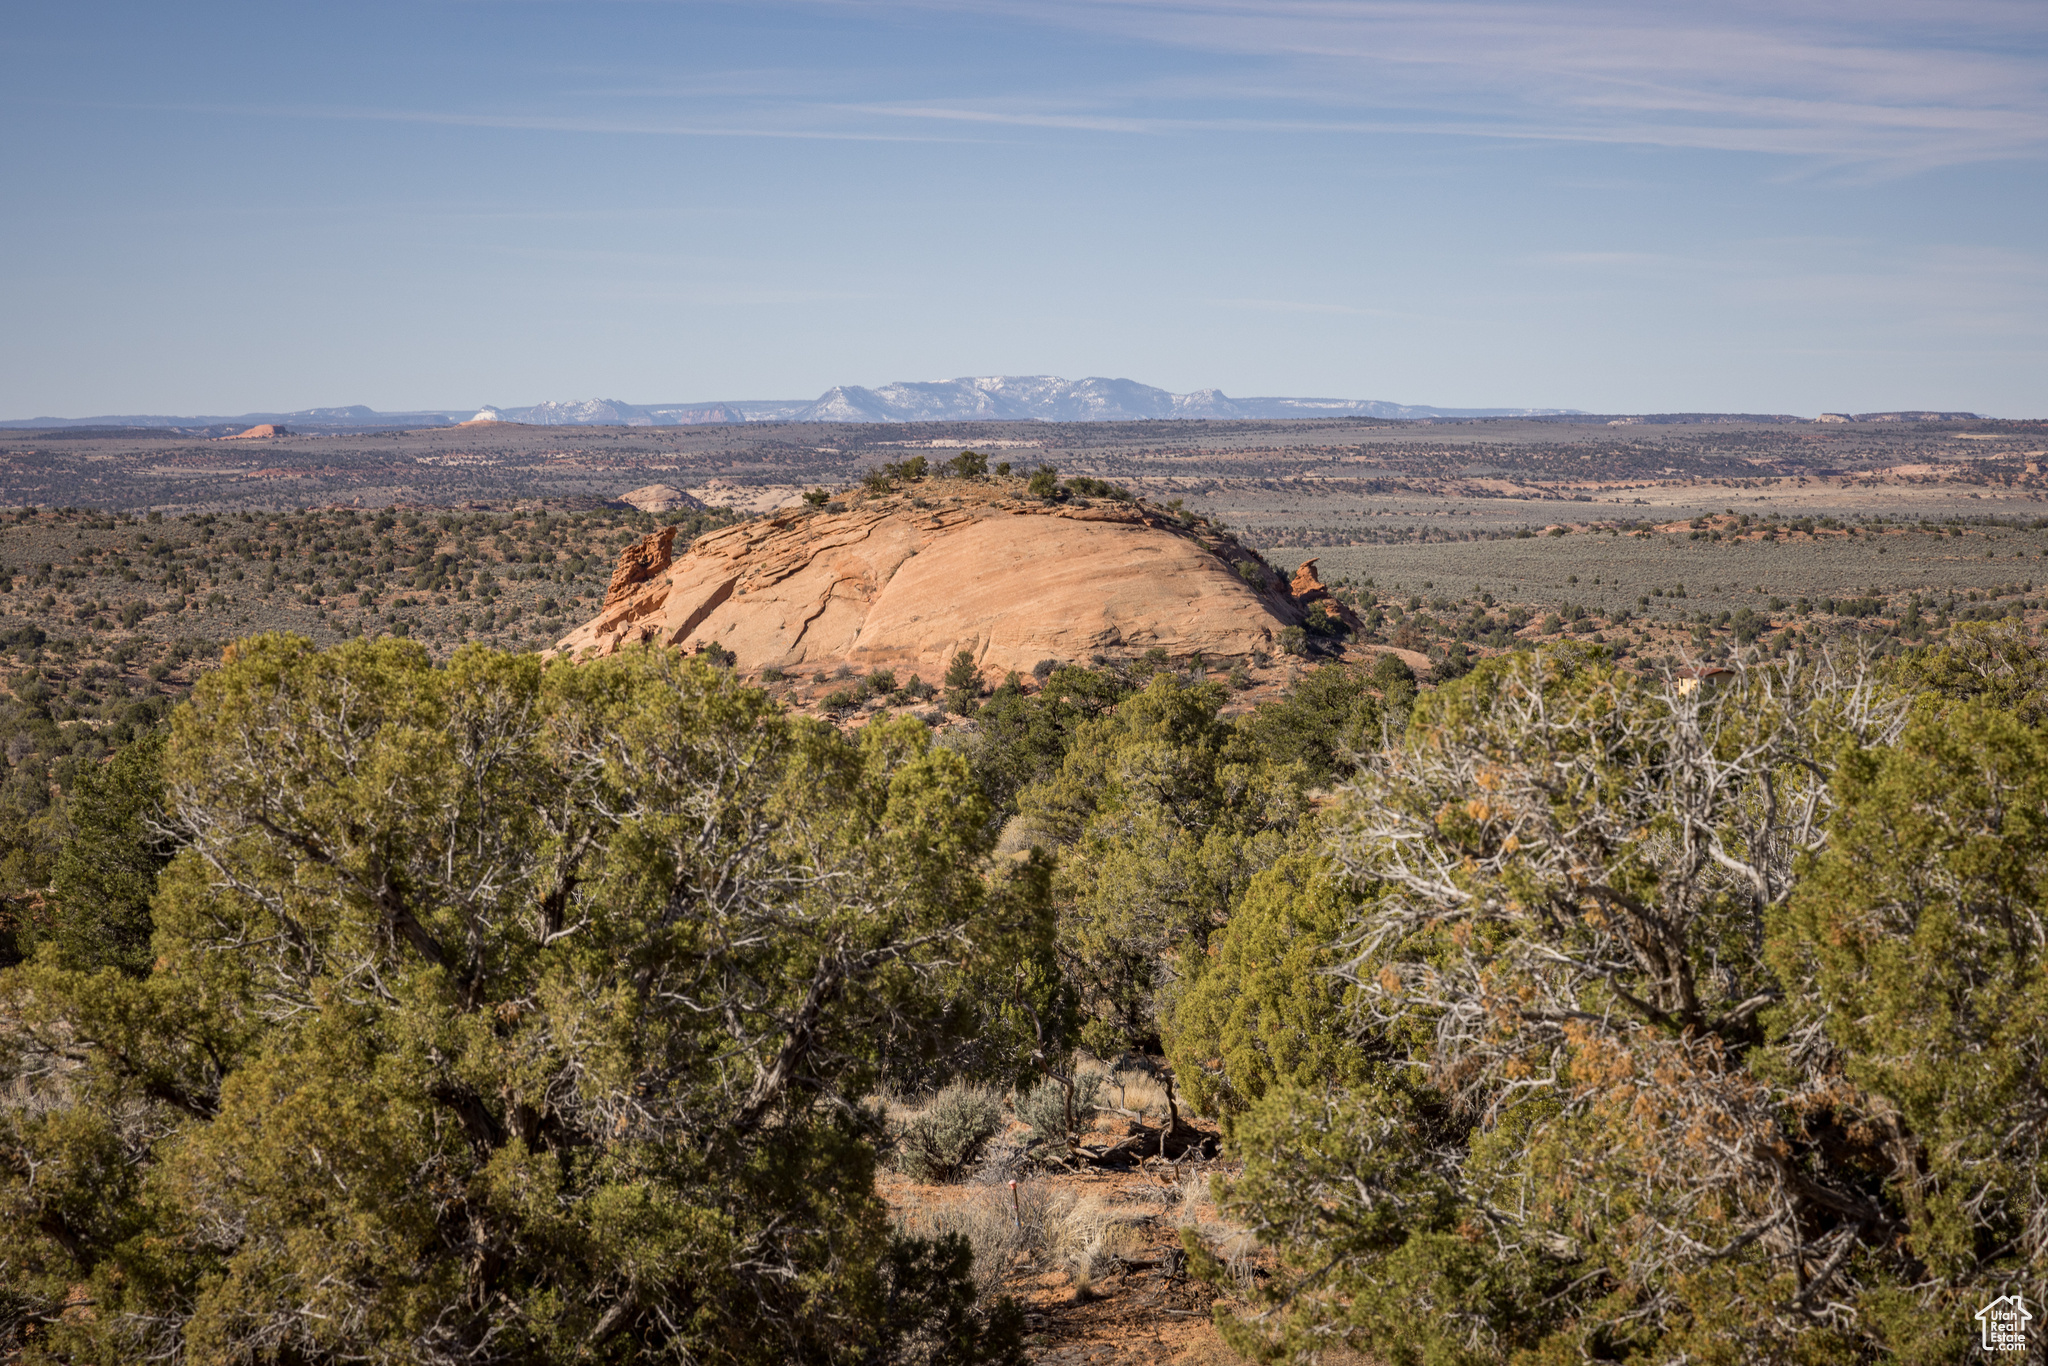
[{"x": 1323, "y": 619}]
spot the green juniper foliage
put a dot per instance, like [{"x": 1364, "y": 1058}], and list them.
[
  {"x": 1268, "y": 1010},
  {"x": 1556, "y": 1013},
  {"x": 1161, "y": 812},
  {"x": 506, "y": 1015},
  {"x": 963, "y": 684},
  {"x": 1022, "y": 738},
  {"x": 1683, "y": 1024},
  {"x": 106, "y": 872}
]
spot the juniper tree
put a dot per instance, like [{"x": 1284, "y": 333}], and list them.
[
  {"x": 1266, "y": 1010},
  {"x": 1688, "y": 1025},
  {"x": 507, "y": 1015},
  {"x": 106, "y": 869},
  {"x": 963, "y": 684},
  {"x": 1161, "y": 812}
]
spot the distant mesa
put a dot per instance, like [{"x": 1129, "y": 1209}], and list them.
[
  {"x": 659, "y": 498},
  {"x": 715, "y": 414},
  {"x": 261, "y": 429},
  {"x": 1898, "y": 417},
  {"x": 877, "y": 581},
  {"x": 611, "y": 412},
  {"x": 354, "y": 417}
]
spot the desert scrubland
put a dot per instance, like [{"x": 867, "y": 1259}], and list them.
[{"x": 1595, "y": 911}]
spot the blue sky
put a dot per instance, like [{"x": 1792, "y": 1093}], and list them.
[{"x": 1787, "y": 207}]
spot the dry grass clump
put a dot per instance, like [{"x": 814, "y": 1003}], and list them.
[
  {"x": 1136, "y": 1091},
  {"x": 1191, "y": 1209},
  {"x": 1083, "y": 1234},
  {"x": 984, "y": 1220},
  {"x": 1032, "y": 1227},
  {"x": 1098, "y": 1087}
]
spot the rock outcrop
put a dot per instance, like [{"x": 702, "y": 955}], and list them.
[
  {"x": 1307, "y": 586},
  {"x": 639, "y": 563},
  {"x": 658, "y": 498},
  {"x": 907, "y": 580},
  {"x": 1308, "y": 589},
  {"x": 258, "y": 432}
]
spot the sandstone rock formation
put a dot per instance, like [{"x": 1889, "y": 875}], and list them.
[
  {"x": 658, "y": 498},
  {"x": 1307, "y": 585},
  {"x": 1308, "y": 588},
  {"x": 906, "y": 580},
  {"x": 261, "y": 429},
  {"x": 723, "y": 493},
  {"x": 639, "y": 562}
]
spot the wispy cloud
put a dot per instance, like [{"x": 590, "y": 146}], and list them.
[
  {"x": 1875, "y": 88},
  {"x": 547, "y": 123},
  {"x": 1299, "y": 306},
  {"x": 1095, "y": 123},
  {"x": 1880, "y": 84}
]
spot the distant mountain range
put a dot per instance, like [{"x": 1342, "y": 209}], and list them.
[
  {"x": 355, "y": 417},
  {"x": 1011, "y": 398},
  {"x": 996, "y": 398},
  {"x": 1047, "y": 398}
]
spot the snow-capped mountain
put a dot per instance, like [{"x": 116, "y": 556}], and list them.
[
  {"x": 589, "y": 412},
  {"x": 1048, "y": 398},
  {"x": 990, "y": 398},
  {"x": 987, "y": 398},
  {"x": 611, "y": 412},
  {"x": 1015, "y": 398}
]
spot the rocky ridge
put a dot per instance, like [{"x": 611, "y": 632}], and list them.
[
  {"x": 907, "y": 579},
  {"x": 658, "y": 498}
]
